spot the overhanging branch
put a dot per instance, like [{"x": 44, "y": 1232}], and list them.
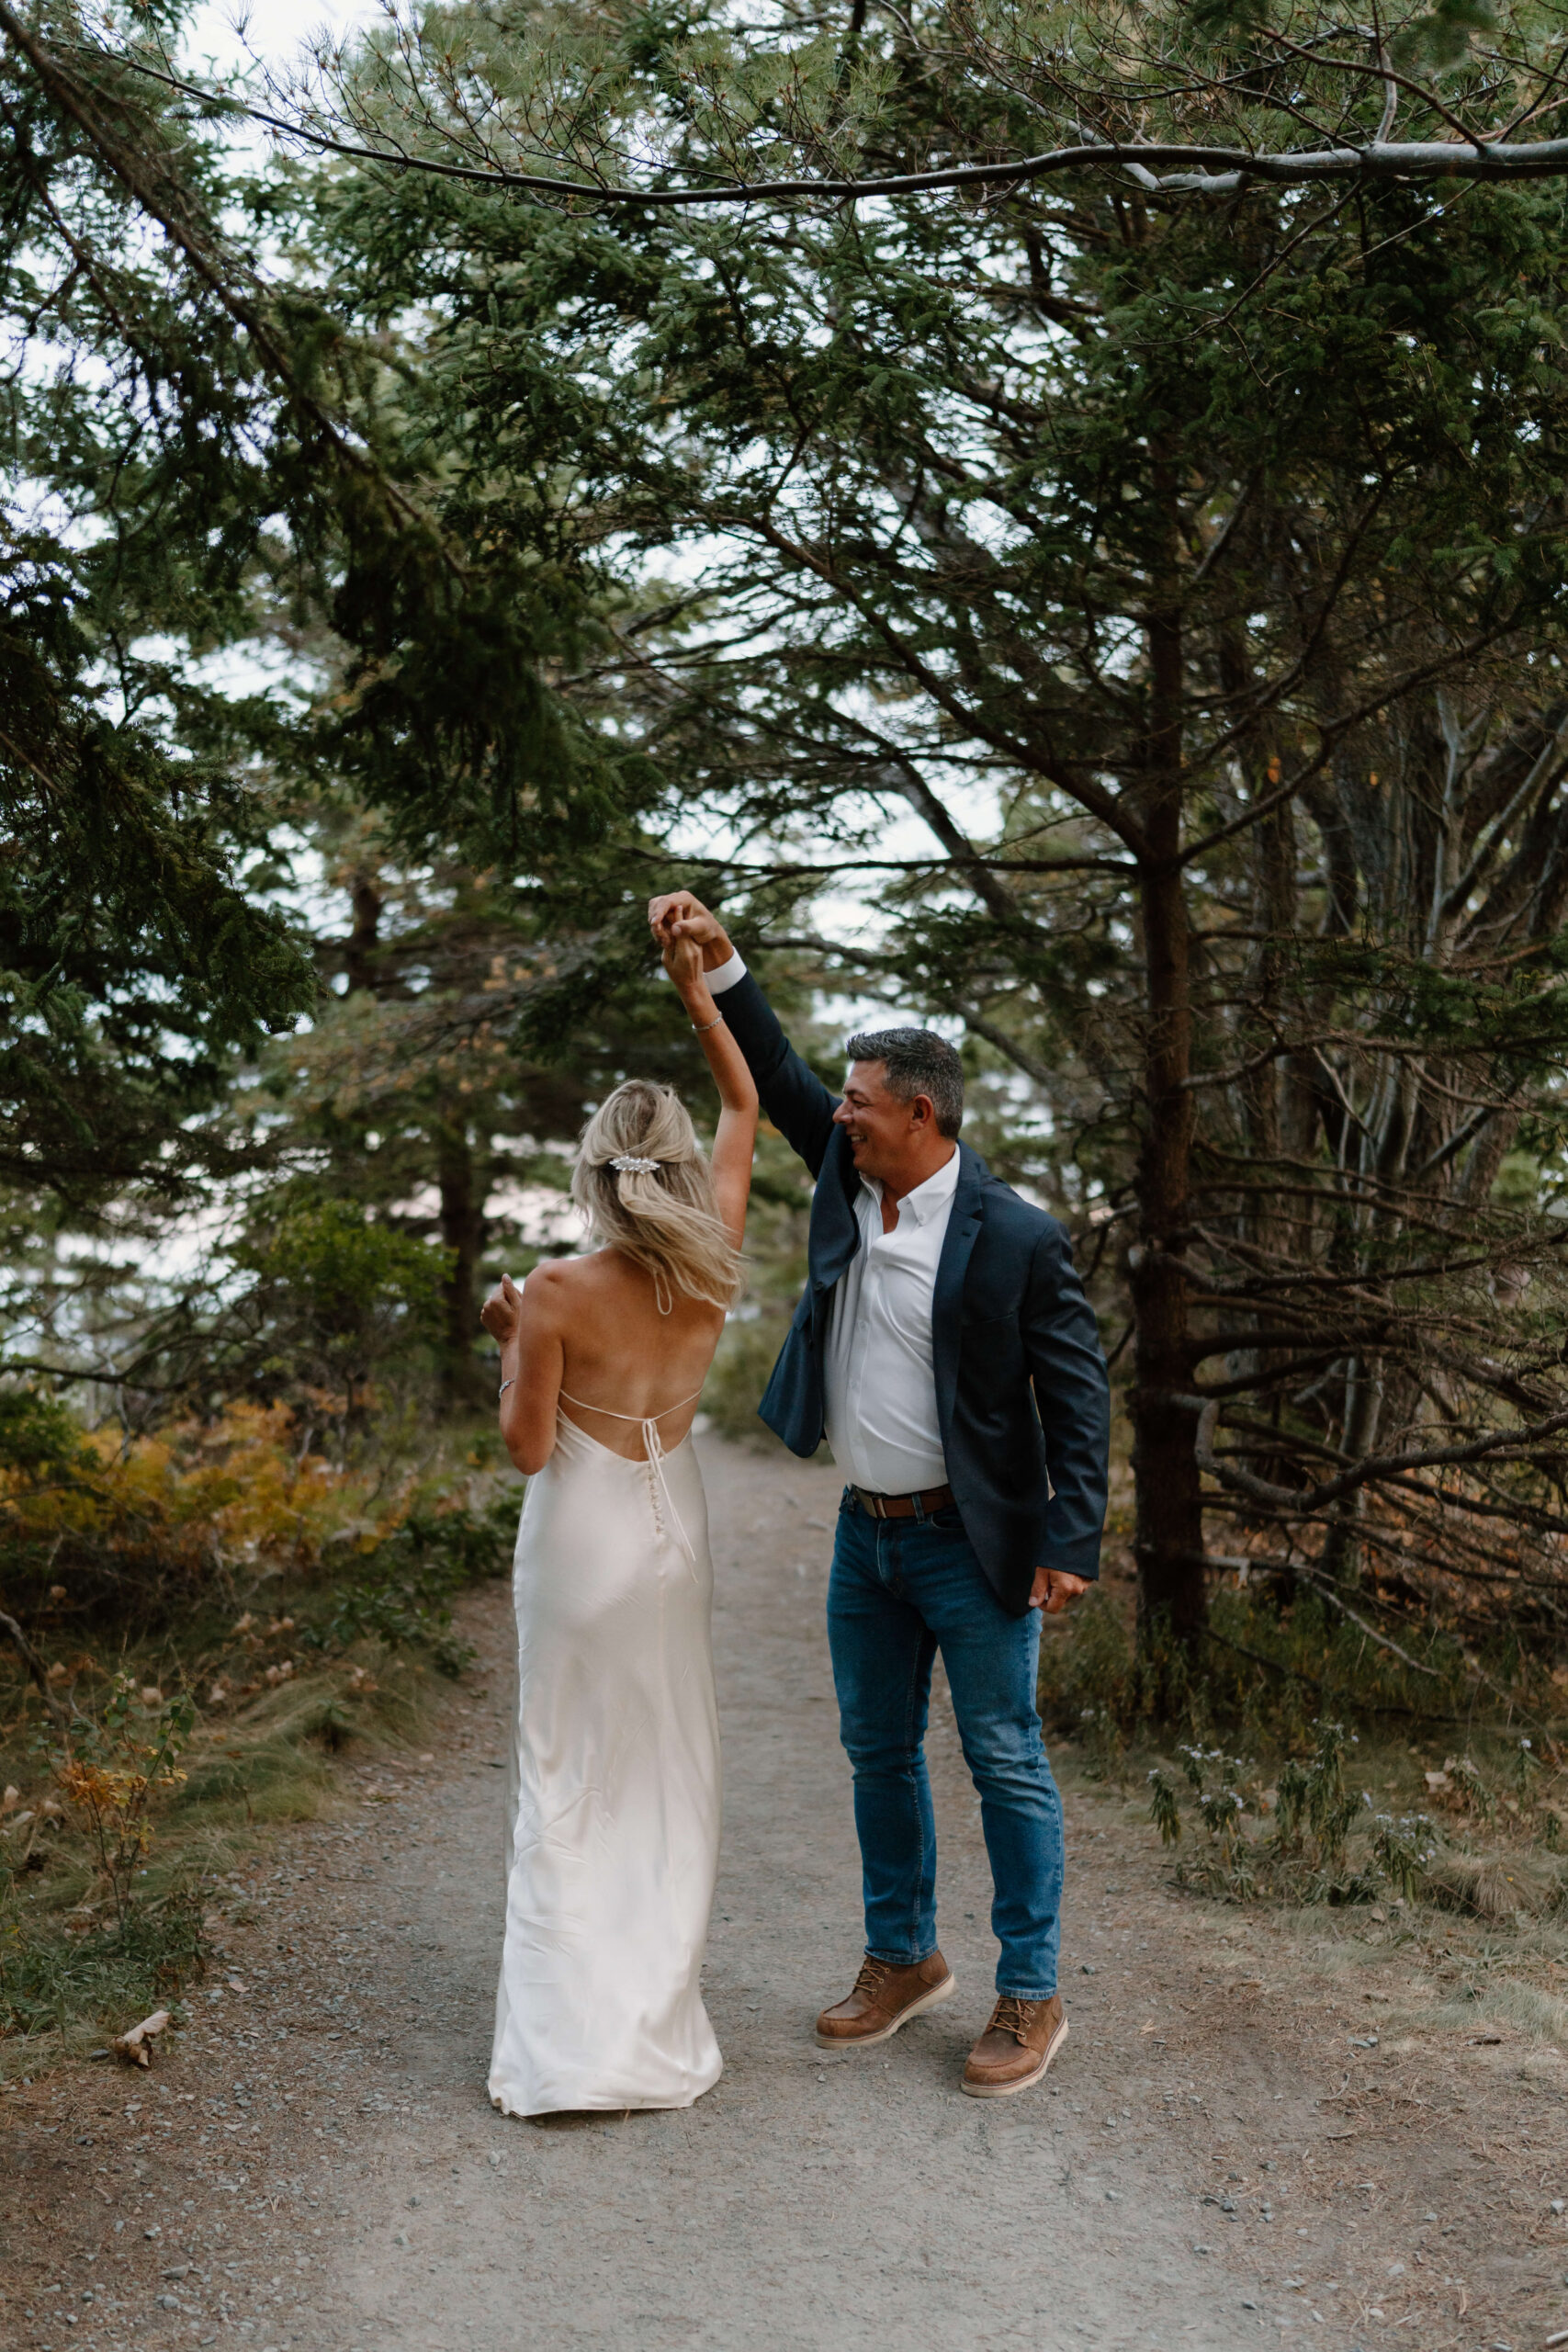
[{"x": 1167, "y": 167}]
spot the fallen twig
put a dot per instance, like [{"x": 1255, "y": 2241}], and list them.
[{"x": 36, "y": 1667}]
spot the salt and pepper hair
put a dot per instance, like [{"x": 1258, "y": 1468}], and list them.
[
  {"x": 665, "y": 1220},
  {"x": 916, "y": 1062}
]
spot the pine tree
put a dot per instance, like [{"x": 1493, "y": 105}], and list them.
[{"x": 1184, "y": 556}]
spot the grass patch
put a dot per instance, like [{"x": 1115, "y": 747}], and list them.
[{"x": 1511, "y": 2004}]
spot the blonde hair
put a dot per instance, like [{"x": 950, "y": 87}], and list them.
[{"x": 664, "y": 1219}]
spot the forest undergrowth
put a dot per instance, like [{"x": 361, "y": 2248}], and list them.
[
  {"x": 1299, "y": 1765},
  {"x": 213, "y": 1616}
]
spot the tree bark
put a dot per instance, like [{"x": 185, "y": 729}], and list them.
[
  {"x": 1169, "y": 1537},
  {"x": 359, "y": 947}
]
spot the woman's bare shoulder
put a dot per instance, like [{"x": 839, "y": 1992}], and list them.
[
  {"x": 556, "y": 1280},
  {"x": 552, "y": 1284}
]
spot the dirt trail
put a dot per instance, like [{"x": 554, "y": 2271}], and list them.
[{"x": 1224, "y": 2155}]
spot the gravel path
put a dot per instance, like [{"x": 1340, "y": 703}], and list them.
[
  {"x": 314, "y": 2164},
  {"x": 810, "y": 2200}
]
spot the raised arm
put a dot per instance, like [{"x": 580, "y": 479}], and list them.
[
  {"x": 735, "y": 1142},
  {"x": 793, "y": 1097}
]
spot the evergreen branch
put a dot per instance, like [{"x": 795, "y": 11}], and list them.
[
  {"x": 1189, "y": 169},
  {"x": 141, "y": 182}
]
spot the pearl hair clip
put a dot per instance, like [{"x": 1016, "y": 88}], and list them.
[{"x": 630, "y": 1165}]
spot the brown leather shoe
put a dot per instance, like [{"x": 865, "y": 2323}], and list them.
[
  {"x": 885, "y": 1998},
  {"x": 1016, "y": 2047}
]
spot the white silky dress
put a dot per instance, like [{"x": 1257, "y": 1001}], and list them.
[{"x": 613, "y": 1848}]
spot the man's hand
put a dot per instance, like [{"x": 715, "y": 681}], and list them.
[
  {"x": 1052, "y": 1588},
  {"x": 683, "y": 957},
  {"x": 501, "y": 1310},
  {"x": 677, "y": 915}
]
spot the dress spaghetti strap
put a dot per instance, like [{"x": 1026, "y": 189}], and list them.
[
  {"x": 653, "y": 1449},
  {"x": 662, "y": 1415}
]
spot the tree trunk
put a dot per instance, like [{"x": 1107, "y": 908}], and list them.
[
  {"x": 359, "y": 947},
  {"x": 463, "y": 1232},
  {"x": 1170, "y": 1540}
]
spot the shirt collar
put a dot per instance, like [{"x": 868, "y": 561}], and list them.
[{"x": 927, "y": 1200}]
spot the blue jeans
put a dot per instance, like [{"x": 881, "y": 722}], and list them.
[{"x": 900, "y": 1590}]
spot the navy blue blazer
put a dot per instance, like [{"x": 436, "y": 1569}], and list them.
[{"x": 1022, "y": 1394}]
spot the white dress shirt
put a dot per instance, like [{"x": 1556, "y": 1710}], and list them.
[{"x": 880, "y": 1386}]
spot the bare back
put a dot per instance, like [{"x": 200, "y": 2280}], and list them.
[
  {"x": 584, "y": 1337},
  {"x": 591, "y": 1331}
]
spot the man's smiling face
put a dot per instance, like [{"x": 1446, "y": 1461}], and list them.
[{"x": 880, "y": 1129}]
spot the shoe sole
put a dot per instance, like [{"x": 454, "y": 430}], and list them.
[
  {"x": 1024, "y": 2081},
  {"x": 937, "y": 1993}
]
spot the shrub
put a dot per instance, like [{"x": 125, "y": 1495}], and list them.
[
  {"x": 134, "y": 1529},
  {"x": 1307, "y": 1859},
  {"x": 414, "y": 1574}
]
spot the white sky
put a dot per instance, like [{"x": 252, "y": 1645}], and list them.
[{"x": 275, "y": 31}]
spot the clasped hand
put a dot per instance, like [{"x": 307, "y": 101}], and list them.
[{"x": 680, "y": 925}]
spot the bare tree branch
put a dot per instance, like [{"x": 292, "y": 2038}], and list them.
[{"x": 1186, "y": 168}]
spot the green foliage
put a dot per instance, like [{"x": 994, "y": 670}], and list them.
[
  {"x": 985, "y": 499},
  {"x": 136, "y": 955},
  {"x": 1329, "y": 1806},
  {"x": 1403, "y": 1850},
  {"x": 405, "y": 1595},
  {"x": 1442, "y": 37},
  {"x": 1307, "y": 1857},
  {"x": 337, "y": 1297},
  {"x": 110, "y": 1767},
  {"x": 1212, "y": 1777},
  {"x": 344, "y": 1271},
  {"x": 1164, "y": 1808},
  {"x": 1471, "y": 1784},
  {"x": 746, "y": 1353},
  {"x": 39, "y": 1435},
  {"x": 1103, "y": 529}
]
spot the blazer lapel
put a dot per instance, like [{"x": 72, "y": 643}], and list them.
[
  {"x": 963, "y": 1223},
  {"x": 835, "y": 1227}
]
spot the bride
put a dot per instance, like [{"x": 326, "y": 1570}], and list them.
[{"x": 613, "y": 1843}]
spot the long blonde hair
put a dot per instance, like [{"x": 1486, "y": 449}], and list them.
[{"x": 664, "y": 1219}]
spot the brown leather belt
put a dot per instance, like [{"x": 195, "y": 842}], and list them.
[{"x": 904, "y": 1506}]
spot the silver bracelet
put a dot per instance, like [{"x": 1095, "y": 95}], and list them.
[
  {"x": 504, "y": 1386},
  {"x": 708, "y": 1024}
]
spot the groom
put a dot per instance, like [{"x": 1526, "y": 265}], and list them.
[{"x": 944, "y": 1346}]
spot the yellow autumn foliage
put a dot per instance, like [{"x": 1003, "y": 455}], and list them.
[{"x": 196, "y": 1497}]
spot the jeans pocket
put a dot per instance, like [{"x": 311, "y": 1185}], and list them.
[{"x": 947, "y": 1519}]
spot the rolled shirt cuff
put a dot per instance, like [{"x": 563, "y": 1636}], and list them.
[{"x": 726, "y": 974}]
